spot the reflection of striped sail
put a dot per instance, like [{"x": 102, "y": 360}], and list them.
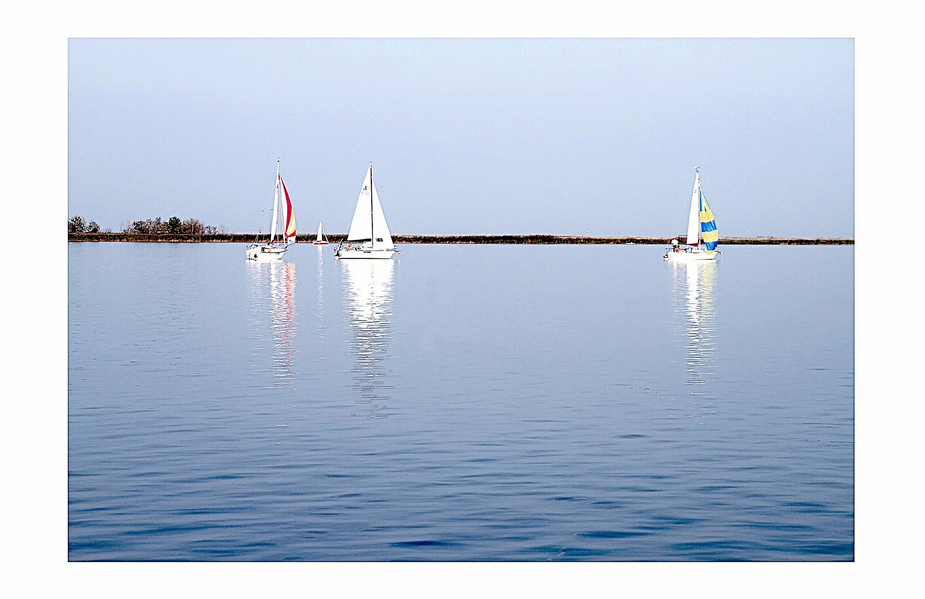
[
  {"x": 272, "y": 290},
  {"x": 694, "y": 284},
  {"x": 707, "y": 224},
  {"x": 282, "y": 322}
]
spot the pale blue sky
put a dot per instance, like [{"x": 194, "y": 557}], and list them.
[{"x": 576, "y": 136}]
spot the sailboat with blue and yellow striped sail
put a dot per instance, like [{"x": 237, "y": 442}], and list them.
[{"x": 702, "y": 236}]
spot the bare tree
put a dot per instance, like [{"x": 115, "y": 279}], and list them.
[{"x": 76, "y": 225}]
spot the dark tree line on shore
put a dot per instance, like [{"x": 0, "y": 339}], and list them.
[
  {"x": 171, "y": 226},
  {"x": 77, "y": 224},
  {"x": 151, "y": 226}
]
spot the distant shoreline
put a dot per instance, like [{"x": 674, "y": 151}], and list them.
[{"x": 467, "y": 239}]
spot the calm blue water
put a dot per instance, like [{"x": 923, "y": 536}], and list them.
[{"x": 460, "y": 403}]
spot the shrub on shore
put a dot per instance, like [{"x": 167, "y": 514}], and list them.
[
  {"x": 172, "y": 226},
  {"x": 77, "y": 224}
]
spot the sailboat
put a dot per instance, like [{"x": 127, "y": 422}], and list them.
[
  {"x": 282, "y": 231},
  {"x": 702, "y": 236},
  {"x": 321, "y": 238},
  {"x": 368, "y": 236}
]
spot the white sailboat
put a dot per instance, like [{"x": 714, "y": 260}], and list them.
[
  {"x": 282, "y": 231},
  {"x": 702, "y": 236},
  {"x": 320, "y": 238},
  {"x": 369, "y": 234}
]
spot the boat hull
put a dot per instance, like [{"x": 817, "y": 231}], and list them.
[
  {"x": 319, "y": 243},
  {"x": 360, "y": 254},
  {"x": 263, "y": 253},
  {"x": 692, "y": 256}
]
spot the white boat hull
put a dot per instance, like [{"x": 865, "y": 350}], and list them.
[
  {"x": 364, "y": 254},
  {"x": 691, "y": 256},
  {"x": 264, "y": 253}
]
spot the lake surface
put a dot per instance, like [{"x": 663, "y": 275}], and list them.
[{"x": 462, "y": 402}]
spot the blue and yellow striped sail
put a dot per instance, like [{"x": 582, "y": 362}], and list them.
[{"x": 707, "y": 225}]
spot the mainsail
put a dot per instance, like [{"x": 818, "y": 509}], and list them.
[
  {"x": 361, "y": 226},
  {"x": 368, "y": 222},
  {"x": 275, "y": 223},
  {"x": 693, "y": 223}
]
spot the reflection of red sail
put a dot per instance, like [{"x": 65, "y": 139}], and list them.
[
  {"x": 282, "y": 315},
  {"x": 289, "y": 224},
  {"x": 272, "y": 290},
  {"x": 289, "y": 280}
]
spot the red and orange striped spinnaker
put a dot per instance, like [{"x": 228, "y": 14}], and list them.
[{"x": 289, "y": 229}]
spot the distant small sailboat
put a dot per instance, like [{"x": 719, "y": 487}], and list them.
[
  {"x": 368, "y": 236},
  {"x": 702, "y": 236},
  {"x": 321, "y": 238},
  {"x": 279, "y": 239}
]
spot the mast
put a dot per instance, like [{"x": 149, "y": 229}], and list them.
[
  {"x": 699, "y": 210},
  {"x": 372, "y": 233}
]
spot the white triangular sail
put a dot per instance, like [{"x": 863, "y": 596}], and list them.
[
  {"x": 318, "y": 237},
  {"x": 361, "y": 226},
  {"x": 693, "y": 223},
  {"x": 275, "y": 223},
  {"x": 368, "y": 218},
  {"x": 383, "y": 239}
]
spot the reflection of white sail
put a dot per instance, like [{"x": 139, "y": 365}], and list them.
[
  {"x": 320, "y": 295},
  {"x": 272, "y": 291},
  {"x": 694, "y": 284},
  {"x": 369, "y": 309}
]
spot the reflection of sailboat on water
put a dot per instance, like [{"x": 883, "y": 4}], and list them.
[
  {"x": 320, "y": 287},
  {"x": 369, "y": 309},
  {"x": 273, "y": 292},
  {"x": 694, "y": 284}
]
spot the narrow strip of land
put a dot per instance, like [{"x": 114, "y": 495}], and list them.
[{"x": 477, "y": 239}]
